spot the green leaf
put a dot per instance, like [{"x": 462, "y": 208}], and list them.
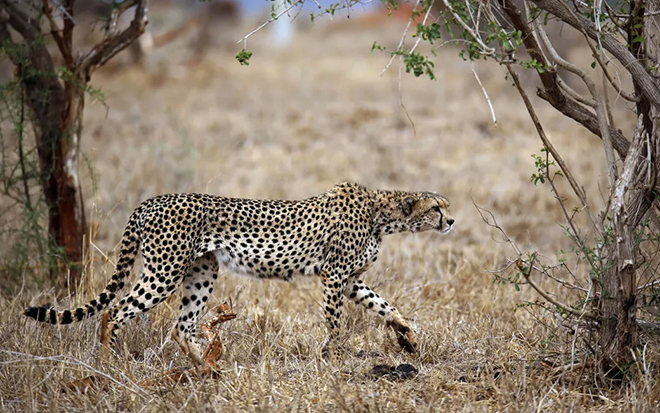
[{"x": 243, "y": 57}]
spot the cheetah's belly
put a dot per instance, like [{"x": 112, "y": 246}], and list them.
[
  {"x": 261, "y": 267},
  {"x": 232, "y": 263}
]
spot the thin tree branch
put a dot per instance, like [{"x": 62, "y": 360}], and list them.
[
  {"x": 575, "y": 95},
  {"x": 577, "y": 189},
  {"x": 403, "y": 38},
  {"x": 19, "y": 21},
  {"x": 551, "y": 92},
  {"x": 267, "y": 22},
  {"x": 587, "y": 119},
  {"x": 601, "y": 114},
  {"x": 526, "y": 273},
  {"x": 67, "y": 32},
  {"x": 483, "y": 89},
  {"x": 609, "y": 42},
  {"x": 114, "y": 43},
  {"x": 486, "y": 50},
  {"x": 55, "y": 31}
]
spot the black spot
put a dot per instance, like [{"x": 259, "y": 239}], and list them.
[{"x": 66, "y": 317}]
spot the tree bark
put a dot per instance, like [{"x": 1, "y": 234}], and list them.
[{"x": 618, "y": 334}]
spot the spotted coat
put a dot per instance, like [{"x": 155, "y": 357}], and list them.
[{"x": 184, "y": 238}]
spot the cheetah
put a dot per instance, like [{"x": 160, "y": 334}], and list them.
[{"x": 185, "y": 238}]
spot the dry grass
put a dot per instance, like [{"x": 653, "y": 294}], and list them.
[{"x": 289, "y": 126}]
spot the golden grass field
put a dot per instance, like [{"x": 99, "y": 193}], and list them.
[{"x": 292, "y": 124}]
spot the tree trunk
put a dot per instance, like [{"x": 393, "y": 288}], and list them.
[
  {"x": 73, "y": 225},
  {"x": 630, "y": 202},
  {"x": 57, "y": 119}
]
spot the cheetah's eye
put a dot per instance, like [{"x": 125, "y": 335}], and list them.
[{"x": 436, "y": 208}]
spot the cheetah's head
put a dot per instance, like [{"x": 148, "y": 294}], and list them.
[{"x": 418, "y": 211}]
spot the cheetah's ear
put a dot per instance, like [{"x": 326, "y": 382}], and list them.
[{"x": 407, "y": 205}]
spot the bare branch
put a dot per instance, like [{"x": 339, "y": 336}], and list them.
[
  {"x": 67, "y": 32},
  {"x": 577, "y": 189},
  {"x": 403, "y": 37},
  {"x": 55, "y": 31},
  {"x": 483, "y": 89},
  {"x": 19, "y": 21},
  {"x": 267, "y": 22},
  {"x": 551, "y": 92},
  {"x": 587, "y": 119},
  {"x": 526, "y": 273},
  {"x": 573, "y": 94},
  {"x": 114, "y": 43},
  {"x": 601, "y": 115},
  {"x": 609, "y": 42},
  {"x": 486, "y": 50}
]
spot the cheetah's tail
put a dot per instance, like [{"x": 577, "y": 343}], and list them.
[{"x": 130, "y": 245}]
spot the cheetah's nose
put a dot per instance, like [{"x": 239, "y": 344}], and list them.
[{"x": 450, "y": 222}]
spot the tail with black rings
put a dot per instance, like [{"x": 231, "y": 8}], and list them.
[{"x": 130, "y": 246}]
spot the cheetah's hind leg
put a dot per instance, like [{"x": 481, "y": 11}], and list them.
[{"x": 197, "y": 288}]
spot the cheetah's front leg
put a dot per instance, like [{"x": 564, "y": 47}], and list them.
[{"x": 360, "y": 293}]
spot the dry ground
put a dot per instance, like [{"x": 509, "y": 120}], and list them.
[{"x": 290, "y": 125}]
